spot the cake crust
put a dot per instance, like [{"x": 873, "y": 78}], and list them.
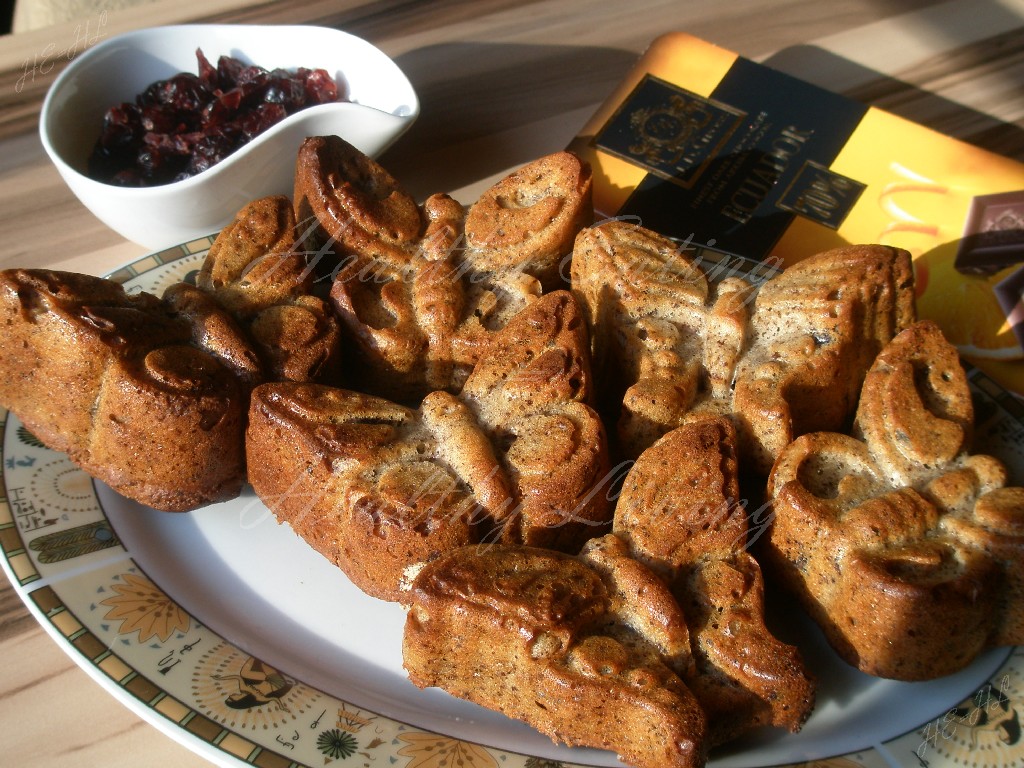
[
  {"x": 538, "y": 636},
  {"x": 781, "y": 358},
  {"x": 381, "y": 488},
  {"x": 906, "y": 548},
  {"x": 142, "y": 396}
]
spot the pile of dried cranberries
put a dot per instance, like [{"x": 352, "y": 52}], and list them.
[{"x": 181, "y": 126}]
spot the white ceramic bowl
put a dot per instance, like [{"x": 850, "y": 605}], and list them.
[{"x": 381, "y": 106}]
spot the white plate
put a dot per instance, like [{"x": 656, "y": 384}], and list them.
[{"x": 226, "y": 631}]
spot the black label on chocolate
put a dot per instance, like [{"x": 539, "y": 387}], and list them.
[
  {"x": 668, "y": 130},
  {"x": 821, "y": 195},
  {"x": 734, "y": 169}
]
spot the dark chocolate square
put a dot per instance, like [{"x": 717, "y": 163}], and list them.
[{"x": 993, "y": 237}]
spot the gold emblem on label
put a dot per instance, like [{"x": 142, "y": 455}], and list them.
[{"x": 663, "y": 133}]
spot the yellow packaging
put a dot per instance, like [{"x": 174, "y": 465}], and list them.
[{"x": 713, "y": 149}]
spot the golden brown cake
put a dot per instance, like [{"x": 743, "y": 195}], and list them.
[
  {"x": 530, "y": 394},
  {"x": 816, "y": 329},
  {"x": 651, "y": 642},
  {"x": 346, "y": 203},
  {"x": 379, "y": 488},
  {"x": 147, "y": 397},
  {"x": 420, "y": 290},
  {"x": 781, "y": 358},
  {"x": 529, "y": 220},
  {"x": 666, "y": 340},
  {"x": 360, "y": 479},
  {"x": 572, "y": 649},
  {"x": 254, "y": 262},
  {"x": 257, "y": 270},
  {"x": 401, "y": 316},
  {"x": 681, "y": 513},
  {"x": 907, "y": 549},
  {"x": 216, "y": 331}
]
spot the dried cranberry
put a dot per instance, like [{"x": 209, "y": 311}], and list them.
[
  {"x": 121, "y": 126},
  {"x": 211, "y": 149},
  {"x": 161, "y": 158},
  {"x": 320, "y": 87},
  {"x": 285, "y": 90},
  {"x": 207, "y": 72},
  {"x": 120, "y": 135},
  {"x": 256, "y": 122},
  {"x": 163, "y": 119},
  {"x": 183, "y": 91},
  {"x": 252, "y": 78},
  {"x": 221, "y": 110},
  {"x": 183, "y": 125},
  {"x": 130, "y": 177},
  {"x": 228, "y": 68}
]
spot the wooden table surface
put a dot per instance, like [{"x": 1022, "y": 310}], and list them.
[{"x": 500, "y": 83}]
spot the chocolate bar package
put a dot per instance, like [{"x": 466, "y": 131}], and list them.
[{"x": 716, "y": 150}]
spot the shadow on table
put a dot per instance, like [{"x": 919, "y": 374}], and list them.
[
  {"x": 828, "y": 70},
  {"x": 486, "y": 108}
]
